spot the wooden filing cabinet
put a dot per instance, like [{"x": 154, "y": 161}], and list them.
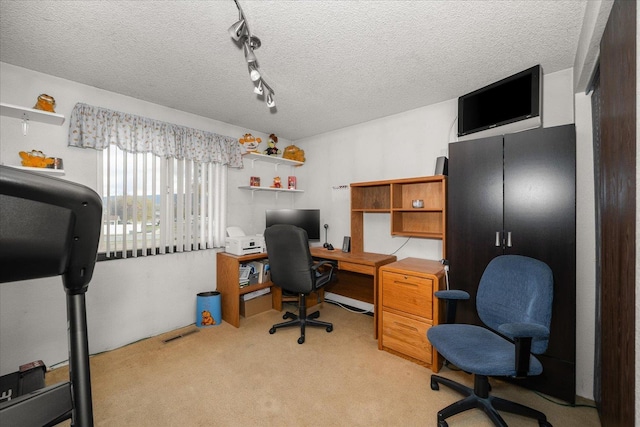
[{"x": 408, "y": 309}]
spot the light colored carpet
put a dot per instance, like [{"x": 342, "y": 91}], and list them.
[{"x": 226, "y": 376}]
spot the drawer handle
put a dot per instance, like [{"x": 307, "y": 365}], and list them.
[
  {"x": 413, "y": 328},
  {"x": 415, "y": 285}
]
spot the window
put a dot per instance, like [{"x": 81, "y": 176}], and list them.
[
  {"x": 154, "y": 205},
  {"x": 163, "y": 185}
]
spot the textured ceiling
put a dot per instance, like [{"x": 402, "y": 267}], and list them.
[{"x": 331, "y": 64}]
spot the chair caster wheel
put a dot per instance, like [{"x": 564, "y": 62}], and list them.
[
  {"x": 442, "y": 424},
  {"x": 272, "y": 331},
  {"x": 285, "y": 316},
  {"x": 544, "y": 424},
  {"x": 434, "y": 385},
  {"x": 301, "y": 340},
  {"x": 329, "y": 328}
]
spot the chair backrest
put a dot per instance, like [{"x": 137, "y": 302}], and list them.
[
  {"x": 290, "y": 259},
  {"x": 516, "y": 289}
]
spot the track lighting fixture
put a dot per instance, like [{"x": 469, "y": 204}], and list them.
[{"x": 241, "y": 34}]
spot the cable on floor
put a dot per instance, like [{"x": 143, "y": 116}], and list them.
[{"x": 348, "y": 308}]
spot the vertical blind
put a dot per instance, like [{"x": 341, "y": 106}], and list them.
[{"x": 158, "y": 197}]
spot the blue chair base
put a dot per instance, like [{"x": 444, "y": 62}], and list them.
[{"x": 479, "y": 397}]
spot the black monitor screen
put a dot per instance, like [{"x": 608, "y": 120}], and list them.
[
  {"x": 512, "y": 99},
  {"x": 307, "y": 219}
]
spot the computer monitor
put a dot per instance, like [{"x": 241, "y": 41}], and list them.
[{"x": 307, "y": 219}]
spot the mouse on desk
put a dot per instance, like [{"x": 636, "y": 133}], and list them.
[{"x": 329, "y": 247}]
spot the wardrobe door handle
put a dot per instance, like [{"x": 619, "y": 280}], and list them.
[
  {"x": 497, "y": 239},
  {"x": 508, "y": 239}
]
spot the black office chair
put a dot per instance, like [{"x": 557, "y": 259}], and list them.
[
  {"x": 294, "y": 270},
  {"x": 514, "y": 301},
  {"x": 51, "y": 227}
]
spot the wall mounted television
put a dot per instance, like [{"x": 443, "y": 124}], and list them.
[
  {"x": 512, "y": 104},
  {"x": 307, "y": 219}
]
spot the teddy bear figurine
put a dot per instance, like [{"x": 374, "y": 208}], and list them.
[
  {"x": 249, "y": 143},
  {"x": 207, "y": 318},
  {"x": 277, "y": 182},
  {"x": 293, "y": 153},
  {"x": 272, "y": 150}
]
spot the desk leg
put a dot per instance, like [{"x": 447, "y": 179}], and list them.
[
  {"x": 276, "y": 303},
  {"x": 375, "y": 304}
]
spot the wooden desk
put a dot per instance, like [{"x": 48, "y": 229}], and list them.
[{"x": 365, "y": 265}]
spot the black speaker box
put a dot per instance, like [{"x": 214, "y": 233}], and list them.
[{"x": 442, "y": 166}]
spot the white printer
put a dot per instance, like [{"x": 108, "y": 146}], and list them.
[{"x": 237, "y": 243}]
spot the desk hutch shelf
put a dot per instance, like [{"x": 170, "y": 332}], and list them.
[{"x": 395, "y": 198}]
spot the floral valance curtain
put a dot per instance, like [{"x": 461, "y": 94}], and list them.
[{"x": 96, "y": 127}]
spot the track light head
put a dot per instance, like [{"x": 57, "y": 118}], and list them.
[
  {"x": 258, "y": 89},
  {"x": 270, "y": 102},
  {"x": 248, "y": 54},
  {"x": 237, "y": 30},
  {"x": 254, "y": 73}
]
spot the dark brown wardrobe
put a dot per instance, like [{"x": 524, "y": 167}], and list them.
[{"x": 516, "y": 194}]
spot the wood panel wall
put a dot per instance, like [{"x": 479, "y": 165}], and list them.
[{"x": 617, "y": 201}]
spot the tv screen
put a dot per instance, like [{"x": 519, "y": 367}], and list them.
[
  {"x": 307, "y": 219},
  {"x": 507, "y": 101}
]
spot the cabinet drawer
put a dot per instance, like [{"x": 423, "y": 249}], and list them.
[
  {"x": 406, "y": 336},
  {"x": 409, "y": 294}
]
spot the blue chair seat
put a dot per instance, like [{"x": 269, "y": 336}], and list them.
[{"x": 478, "y": 350}]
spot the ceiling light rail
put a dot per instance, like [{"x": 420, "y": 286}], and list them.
[{"x": 241, "y": 34}]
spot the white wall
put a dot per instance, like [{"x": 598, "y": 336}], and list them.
[
  {"x": 132, "y": 299},
  {"x": 127, "y": 299}
]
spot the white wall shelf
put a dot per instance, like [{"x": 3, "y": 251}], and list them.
[
  {"x": 271, "y": 159},
  {"x": 46, "y": 171},
  {"x": 277, "y": 190},
  {"x": 30, "y": 114}
]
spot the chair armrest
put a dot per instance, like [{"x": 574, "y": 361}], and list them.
[
  {"x": 323, "y": 262},
  {"x": 452, "y": 294},
  {"x": 522, "y": 335},
  {"x": 451, "y": 297}
]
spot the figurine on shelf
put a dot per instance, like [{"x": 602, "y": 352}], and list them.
[
  {"x": 272, "y": 150},
  {"x": 277, "y": 183},
  {"x": 45, "y": 103},
  {"x": 292, "y": 152},
  {"x": 249, "y": 143},
  {"x": 35, "y": 159}
]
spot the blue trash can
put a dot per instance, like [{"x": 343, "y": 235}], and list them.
[{"x": 208, "y": 309}]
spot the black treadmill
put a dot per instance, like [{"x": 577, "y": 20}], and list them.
[{"x": 51, "y": 227}]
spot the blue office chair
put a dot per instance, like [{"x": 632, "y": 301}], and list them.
[
  {"x": 514, "y": 301},
  {"x": 294, "y": 270},
  {"x": 51, "y": 227}
]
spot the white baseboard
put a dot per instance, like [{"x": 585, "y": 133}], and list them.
[{"x": 349, "y": 301}]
